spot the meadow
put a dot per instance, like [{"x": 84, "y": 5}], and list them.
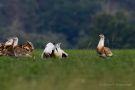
[{"x": 82, "y": 70}]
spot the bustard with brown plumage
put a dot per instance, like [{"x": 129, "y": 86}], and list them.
[
  {"x": 101, "y": 49},
  {"x": 12, "y": 48},
  {"x": 9, "y": 46},
  {"x": 24, "y": 50}
]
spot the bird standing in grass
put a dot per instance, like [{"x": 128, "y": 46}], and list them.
[{"x": 101, "y": 49}]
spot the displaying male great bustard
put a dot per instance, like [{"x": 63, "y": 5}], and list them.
[
  {"x": 101, "y": 49},
  {"x": 53, "y": 50}
]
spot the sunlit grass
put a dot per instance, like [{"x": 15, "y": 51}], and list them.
[{"x": 82, "y": 70}]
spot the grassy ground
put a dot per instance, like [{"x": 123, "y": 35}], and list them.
[{"x": 82, "y": 70}]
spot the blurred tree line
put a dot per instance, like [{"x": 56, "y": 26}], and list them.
[{"x": 75, "y": 23}]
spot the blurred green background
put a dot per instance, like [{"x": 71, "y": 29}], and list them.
[{"x": 75, "y": 23}]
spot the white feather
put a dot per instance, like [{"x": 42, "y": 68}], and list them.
[
  {"x": 9, "y": 42},
  {"x": 58, "y": 51},
  {"x": 48, "y": 49}
]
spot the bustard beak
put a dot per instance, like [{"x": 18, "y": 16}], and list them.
[{"x": 101, "y": 35}]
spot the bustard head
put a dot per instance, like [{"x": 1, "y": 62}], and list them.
[
  {"x": 9, "y": 41},
  {"x": 28, "y": 45},
  {"x": 101, "y": 36}
]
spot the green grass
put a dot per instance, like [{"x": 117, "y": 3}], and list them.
[{"x": 82, "y": 70}]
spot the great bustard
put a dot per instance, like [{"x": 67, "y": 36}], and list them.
[
  {"x": 12, "y": 48},
  {"x": 53, "y": 50},
  {"x": 9, "y": 45},
  {"x": 24, "y": 50},
  {"x": 101, "y": 49}
]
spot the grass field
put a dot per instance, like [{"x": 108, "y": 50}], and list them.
[{"x": 82, "y": 70}]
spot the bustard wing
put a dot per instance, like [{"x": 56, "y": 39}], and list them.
[
  {"x": 108, "y": 51},
  {"x": 22, "y": 52}
]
